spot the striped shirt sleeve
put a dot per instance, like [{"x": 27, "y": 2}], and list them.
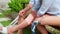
[
  {"x": 31, "y": 2},
  {"x": 44, "y": 7},
  {"x": 36, "y": 5}
]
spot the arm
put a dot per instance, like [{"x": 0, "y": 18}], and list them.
[
  {"x": 29, "y": 6},
  {"x": 36, "y": 7}
]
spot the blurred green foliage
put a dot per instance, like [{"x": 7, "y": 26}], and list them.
[
  {"x": 2, "y": 15},
  {"x": 6, "y": 23},
  {"x": 16, "y": 5},
  {"x": 7, "y": 12}
]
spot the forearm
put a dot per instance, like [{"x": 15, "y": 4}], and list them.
[
  {"x": 29, "y": 6},
  {"x": 11, "y": 33},
  {"x": 25, "y": 23}
]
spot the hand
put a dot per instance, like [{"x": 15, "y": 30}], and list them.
[
  {"x": 0, "y": 27},
  {"x": 10, "y": 30},
  {"x": 21, "y": 13},
  {"x": 34, "y": 13}
]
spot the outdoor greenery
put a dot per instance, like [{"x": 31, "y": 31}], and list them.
[
  {"x": 16, "y": 5},
  {"x": 7, "y": 12},
  {"x": 2, "y": 15},
  {"x": 6, "y": 23}
]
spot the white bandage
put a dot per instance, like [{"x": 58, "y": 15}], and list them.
[
  {"x": 29, "y": 19},
  {"x": 4, "y": 30}
]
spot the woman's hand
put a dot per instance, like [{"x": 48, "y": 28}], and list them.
[
  {"x": 0, "y": 27},
  {"x": 10, "y": 30},
  {"x": 22, "y": 12}
]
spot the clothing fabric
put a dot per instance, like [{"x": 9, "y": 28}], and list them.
[
  {"x": 47, "y": 6},
  {"x": 36, "y": 3}
]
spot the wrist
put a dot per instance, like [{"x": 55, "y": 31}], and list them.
[
  {"x": 13, "y": 29},
  {"x": 25, "y": 10},
  {"x": 34, "y": 14}
]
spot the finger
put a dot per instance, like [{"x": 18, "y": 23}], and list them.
[
  {"x": 0, "y": 28},
  {"x": 19, "y": 14},
  {"x": 10, "y": 33}
]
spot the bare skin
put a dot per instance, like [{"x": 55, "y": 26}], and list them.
[
  {"x": 39, "y": 27},
  {"x": 42, "y": 29},
  {"x": 21, "y": 13},
  {"x": 19, "y": 21},
  {"x": 26, "y": 23},
  {"x": 49, "y": 20},
  {"x": 44, "y": 20}
]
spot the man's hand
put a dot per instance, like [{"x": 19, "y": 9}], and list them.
[
  {"x": 34, "y": 13},
  {"x": 22, "y": 12}
]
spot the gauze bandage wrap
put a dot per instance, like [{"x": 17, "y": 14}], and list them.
[
  {"x": 4, "y": 30},
  {"x": 29, "y": 19}
]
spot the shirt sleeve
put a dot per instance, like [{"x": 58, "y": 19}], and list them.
[
  {"x": 37, "y": 5},
  {"x": 44, "y": 7},
  {"x": 31, "y": 2}
]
